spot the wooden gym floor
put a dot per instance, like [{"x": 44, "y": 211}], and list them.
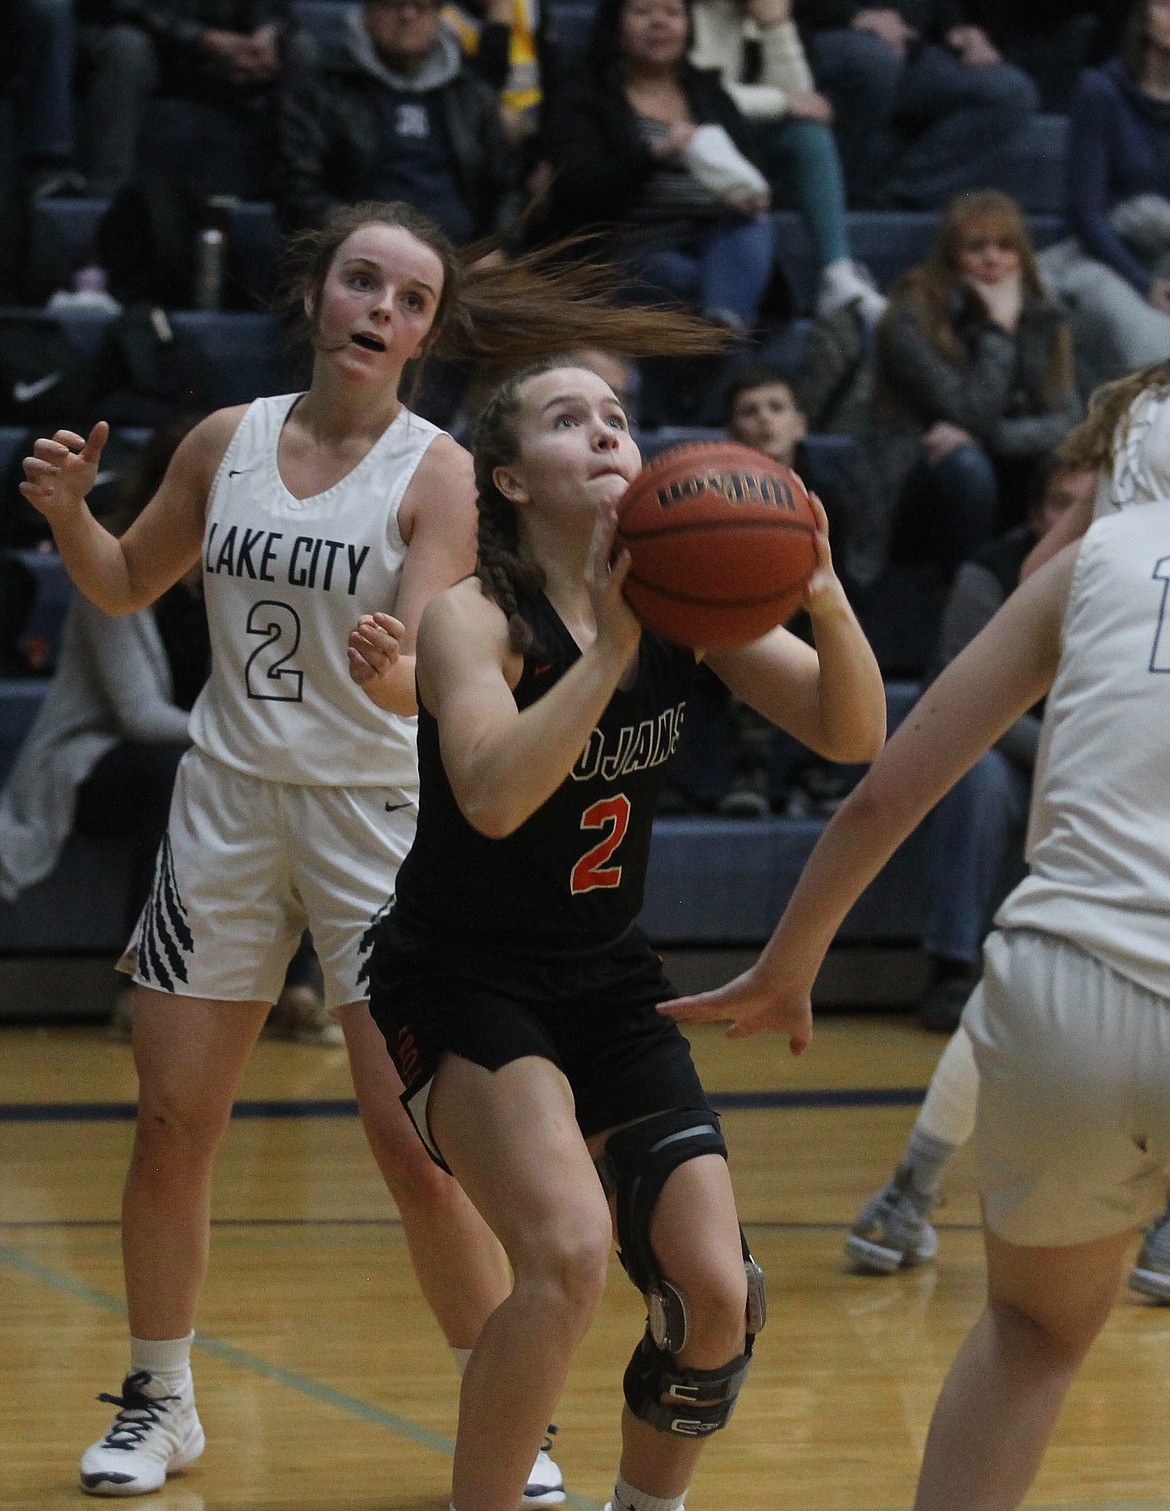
[{"x": 323, "y": 1382}]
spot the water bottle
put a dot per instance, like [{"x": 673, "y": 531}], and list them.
[{"x": 210, "y": 267}]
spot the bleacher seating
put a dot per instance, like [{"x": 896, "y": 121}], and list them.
[
  {"x": 886, "y": 241},
  {"x": 249, "y": 353},
  {"x": 710, "y": 881}
]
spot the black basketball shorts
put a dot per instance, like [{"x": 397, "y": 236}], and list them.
[{"x": 594, "y": 1016}]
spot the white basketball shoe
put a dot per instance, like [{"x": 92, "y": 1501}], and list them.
[{"x": 153, "y": 1435}]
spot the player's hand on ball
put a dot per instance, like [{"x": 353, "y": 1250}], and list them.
[
  {"x": 752, "y": 1005},
  {"x": 62, "y": 470},
  {"x": 374, "y": 647},
  {"x": 605, "y": 571},
  {"x": 824, "y": 583}
]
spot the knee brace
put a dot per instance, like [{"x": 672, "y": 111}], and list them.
[
  {"x": 634, "y": 1168},
  {"x": 693, "y": 1403}
]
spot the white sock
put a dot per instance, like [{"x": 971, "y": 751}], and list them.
[
  {"x": 168, "y": 1360},
  {"x": 461, "y": 1356},
  {"x": 948, "y": 1113},
  {"x": 626, "y": 1498}
]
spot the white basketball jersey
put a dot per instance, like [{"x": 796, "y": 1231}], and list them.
[
  {"x": 285, "y": 581},
  {"x": 1099, "y": 844}
]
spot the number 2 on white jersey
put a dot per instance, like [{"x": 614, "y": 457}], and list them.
[
  {"x": 1160, "y": 654},
  {"x": 591, "y": 870},
  {"x": 268, "y": 673}
]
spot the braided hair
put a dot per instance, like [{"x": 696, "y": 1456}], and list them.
[{"x": 506, "y": 567}]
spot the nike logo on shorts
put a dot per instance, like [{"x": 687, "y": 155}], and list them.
[
  {"x": 238, "y": 471},
  {"x": 394, "y": 807}
]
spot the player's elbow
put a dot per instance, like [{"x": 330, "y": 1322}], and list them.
[
  {"x": 494, "y": 820},
  {"x": 860, "y": 742},
  {"x": 489, "y": 808}
]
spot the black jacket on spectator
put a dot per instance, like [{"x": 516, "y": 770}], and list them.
[
  {"x": 1000, "y": 398},
  {"x": 933, "y": 19},
  {"x": 597, "y": 152},
  {"x": 177, "y": 25},
  {"x": 329, "y": 135}
]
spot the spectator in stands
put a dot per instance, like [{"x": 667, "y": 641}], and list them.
[
  {"x": 980, "y": 823},
  {"x": 755, "y": 48},
  {"x": 1051, "y": 40},
  {"x": 392, "y": 112},
  {"x": 44, "y": 34},
  {"x": 1114, "y": 274},
  {"x": 730, "y": 760},
  {"x": 923, "y": 101},
  {"x": 503, "y": 41},
  {"x": 974, "y": 387},
  {"x": 224, "y": 53},
  {"x": 656, "y": 151},
  {"x": 102, "y": 754}
]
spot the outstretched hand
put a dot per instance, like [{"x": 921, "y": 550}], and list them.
[
  {"x": 752, "y": 1006},
  {"x": 62, "y": 470},
  {"x": 374, "y": 647}
]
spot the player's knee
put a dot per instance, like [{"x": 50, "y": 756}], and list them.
[
  {"x": 176, "y": 1131},
  {"x": 568, "y": 1267},
  {"x": 1061, "y": 1338},
  {"x": 684, "y": 1402},
  {"x": 716, "y": 1300}
]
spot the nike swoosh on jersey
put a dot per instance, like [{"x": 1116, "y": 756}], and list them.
[
  {"x": 394, "y": 807},
  {"x": 24, "y": 392},
  {"x": 238, "y": 471}
]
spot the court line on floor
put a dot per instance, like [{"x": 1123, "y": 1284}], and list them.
[
  {"x": 761, "y": 1224},
  {"x": 377, "y": 1416},
  {"x": 305, "y": 1385},
  {"x": 722, "y": 1101}
]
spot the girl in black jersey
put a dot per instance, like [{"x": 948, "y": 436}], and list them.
[
  {"x": 282, "y": 829},
  {"x": 514, "y": 990}
]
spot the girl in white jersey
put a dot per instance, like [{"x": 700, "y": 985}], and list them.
[
  {"x": 1126, "y": 439},
  {"x": 1071, "y": 1023},
  {"x": 298, "y": 800}
]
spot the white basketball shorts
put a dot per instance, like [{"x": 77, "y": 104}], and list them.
[
  {"x": 247, "y": 865},
  {"x": 1072, "y": 1132}
]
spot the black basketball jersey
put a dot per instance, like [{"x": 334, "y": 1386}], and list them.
[{"x": 571, "y": 877}]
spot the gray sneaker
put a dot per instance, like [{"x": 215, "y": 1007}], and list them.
[
  {"x": 891, "y": 1230},
  {"x": 1151, "y": 1274}
]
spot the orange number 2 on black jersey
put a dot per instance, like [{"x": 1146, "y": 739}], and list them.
[{"x": 591, "y": 870}]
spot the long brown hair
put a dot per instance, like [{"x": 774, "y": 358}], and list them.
[
  {"x": 929, "y": 291},
  {"x": 504, "y": 316},
  {"x": 1094, "y": 442}
]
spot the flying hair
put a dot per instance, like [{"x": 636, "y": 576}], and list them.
[{"x": 504, "y": 315}]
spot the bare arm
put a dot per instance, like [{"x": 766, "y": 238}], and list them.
[
  {"x": 437, "y": 520},
  {"x": 503, "y": 763},
  {"x": 830, "y": 698},
  {"x": 1004, "y": 670},
  {"x": 123, "y": 573}
]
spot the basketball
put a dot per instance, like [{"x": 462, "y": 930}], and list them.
[{"x": 722, "y": 542}]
